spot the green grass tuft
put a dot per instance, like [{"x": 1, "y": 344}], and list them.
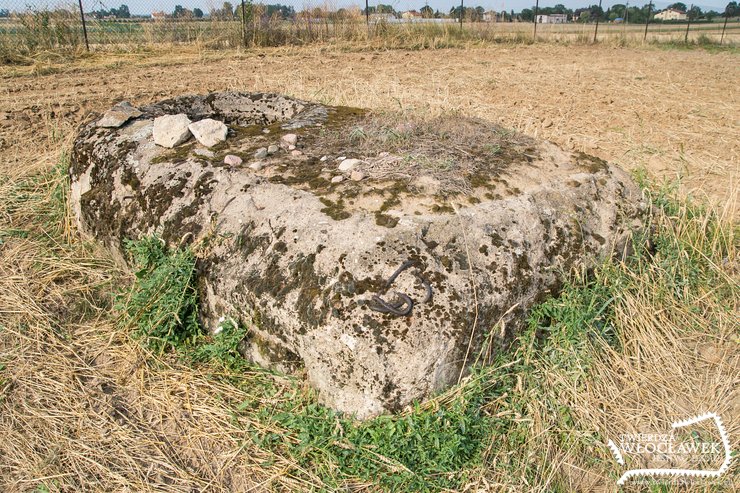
[{"x": 162, "y": 306}]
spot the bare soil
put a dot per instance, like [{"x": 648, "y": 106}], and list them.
[{"x": 673, "y": 113}]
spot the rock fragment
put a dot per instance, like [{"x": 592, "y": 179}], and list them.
[
  {"x": 232, "y": 160},
  {"x": 118, "y": 115},
  {"x": 209, "y": 132},
  {"x": 289, "y": 140},
  {"x": 348, "y": 165},
  {"x": 171, "y": 130}
]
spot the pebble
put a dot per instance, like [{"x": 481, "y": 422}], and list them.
[
  {"x": 171, "y": 130},
  {"x": 209, "y": 132},
  {"x": 272, "y": 149},
  {"x": 323, "y": 158},
  {"x": 232, "y": 160},
  {"x": 256, "y": 166},
  {"x": 357, "y": 175},
  {"x": 261, "y": 153},
  {"x": 296, "y": 153},
  {"x": 289, "y": 139},
  {"x": 337, "y": 179},
  {"x": 348, "y": 164},
  {"x": 341, "y": 158},
  {"x": 265, "y": 130},
  {"x": 291, "y": 147}
]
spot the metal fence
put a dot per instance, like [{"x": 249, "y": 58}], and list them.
[{"x": 93, "y": 24}]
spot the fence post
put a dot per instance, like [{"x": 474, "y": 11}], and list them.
[
  {"x": 536, "y": 10},
  {"x": 462, "y": 12},
  {"x": 625, "y": 18},
  {"x": 688, "y": 24},
  {"x": 84, "y": 26},
  {"x": 727, "y": 15},
  {"x": 244, "y": 24},
  {"x": 598, "y": 16},
  {"x": 647, "y": 21},
  {"x": 367, "y": 14}
]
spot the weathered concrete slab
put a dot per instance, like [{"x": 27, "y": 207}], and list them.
[{"x": 482, "y": 221}]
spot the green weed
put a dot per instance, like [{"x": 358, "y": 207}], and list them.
[{"x": 161, "y": 306}]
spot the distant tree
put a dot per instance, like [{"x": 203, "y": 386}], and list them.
[
  {"x": 285, "y": 11},
  {"x": 694, "y": 13},
  {"x": 527, "y": 15},
  {"x": 731, "y": 10},
  {"x": 4, "y": 13},
  {"x": 426, "y": 12},
  {"x": 179, "y": 12},
  {"x": 123, "y": 12},
  {"x": 385, "y": 9},
  {"x": 248, "y": 11},
  {"x": 226, "y": 12},
  {"x": 583, "y": 15},
  {"x": 678, "y": 6},
  {"x": 197, "y": 13}
]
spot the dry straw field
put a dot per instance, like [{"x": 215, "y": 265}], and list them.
[{"x": 84, "y": 407}]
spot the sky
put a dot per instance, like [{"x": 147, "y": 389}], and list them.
[{"x": 147, "y": 6}]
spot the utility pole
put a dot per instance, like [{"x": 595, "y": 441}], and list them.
[
  {"x": 647, "y": 21},
  {"x": 536, "y": 10},
  {"x": 367, "y": 14},
  {"x": 598, "y": 16},
  {"x": 462, "y": 12}
]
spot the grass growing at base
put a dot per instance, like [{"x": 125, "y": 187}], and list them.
[
  {"x": 162, "y": 305},
  {"x": 516, "y": 418}
]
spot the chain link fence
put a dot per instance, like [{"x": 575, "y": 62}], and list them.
[{"x": 38, "y": 25}]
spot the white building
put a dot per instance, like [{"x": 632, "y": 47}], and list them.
[
  {"x": 552, "y": 19},
  {"x": 671, "y": 15}
]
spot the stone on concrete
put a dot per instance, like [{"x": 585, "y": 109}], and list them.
[
  {"x": 118, "y": 115},
  {"x": 208, "y": 131},
  {"x": 171, "y": 130}
]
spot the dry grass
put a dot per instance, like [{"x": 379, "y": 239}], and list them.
[
  {"x": 82, "y": 407},
  {"x": 453, "y": 150}
]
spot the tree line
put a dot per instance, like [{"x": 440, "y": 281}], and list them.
[{"x": 626, "y": 13}]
